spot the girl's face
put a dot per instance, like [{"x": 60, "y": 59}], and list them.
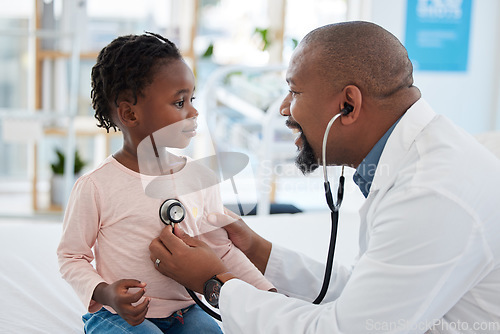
[{"x": 166, "y": 106}]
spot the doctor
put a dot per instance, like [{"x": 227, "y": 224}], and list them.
[{"x": 430, "y": 228}]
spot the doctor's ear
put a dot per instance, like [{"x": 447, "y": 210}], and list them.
[
  {"x": 351, "y": 104},
  {"x": 126, "y": 114}
]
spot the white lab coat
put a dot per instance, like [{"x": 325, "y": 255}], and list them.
[{"x": 429, "y": 248}]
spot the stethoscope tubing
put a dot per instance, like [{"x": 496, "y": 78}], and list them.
[{"x": 334, "y": 209}]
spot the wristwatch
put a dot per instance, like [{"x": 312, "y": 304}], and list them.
[{"x": 211, "y": 291}]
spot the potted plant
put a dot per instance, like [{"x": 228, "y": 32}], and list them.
[{"x": 57, "y": 180}]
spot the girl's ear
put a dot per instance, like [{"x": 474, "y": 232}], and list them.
[
  {"x": 350, "y": 104},
  {"x": 126, "y": 114}
]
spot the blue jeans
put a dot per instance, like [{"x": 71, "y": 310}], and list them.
[{"x": 192, "y": 319}]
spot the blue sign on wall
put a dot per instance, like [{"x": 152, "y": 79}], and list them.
[{"x": 437, "y": 34}]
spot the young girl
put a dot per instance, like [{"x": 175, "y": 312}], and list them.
[{"x": 142, "y": 86}]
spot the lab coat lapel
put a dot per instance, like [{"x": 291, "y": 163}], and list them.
[
  {"x": 363, "y": 213},
  {"x": 397, "y": 148}
]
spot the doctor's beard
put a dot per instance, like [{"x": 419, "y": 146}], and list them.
[{"x": 306, "y": 161}]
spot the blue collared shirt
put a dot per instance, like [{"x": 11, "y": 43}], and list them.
[{"x": 365, "y": 172}]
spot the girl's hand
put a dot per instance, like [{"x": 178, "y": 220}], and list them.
[{"x": 118, "y": 297}]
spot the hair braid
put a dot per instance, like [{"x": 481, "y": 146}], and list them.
[{"x": 125, "y": 67}]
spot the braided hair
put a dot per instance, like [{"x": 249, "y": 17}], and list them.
[{"x": 125, "y": 67}]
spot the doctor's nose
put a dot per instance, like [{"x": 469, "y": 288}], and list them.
[{"x": 285, "y": 106}]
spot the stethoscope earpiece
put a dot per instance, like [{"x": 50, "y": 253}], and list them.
[{"x": 172, "y": 212}]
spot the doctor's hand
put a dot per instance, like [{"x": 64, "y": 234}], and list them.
[
  {"x": 187, "y": 260},
  {"x": 255, "y": 247}
]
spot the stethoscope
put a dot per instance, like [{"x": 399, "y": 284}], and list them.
[
  {"x": 173, "y": 212},
  {"x": 334, "y": 208}
]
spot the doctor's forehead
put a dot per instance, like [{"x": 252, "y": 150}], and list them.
[{"x": 304, "y": 59}]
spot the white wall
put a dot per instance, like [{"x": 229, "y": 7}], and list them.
[{"x": 471, "y": 98}]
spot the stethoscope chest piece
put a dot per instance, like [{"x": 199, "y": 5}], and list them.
[{"x": 172, "y": 212}]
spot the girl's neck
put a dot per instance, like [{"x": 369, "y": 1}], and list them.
[
  {"x": 160, "y": 162},
  {"x": 127, "y": 158}
]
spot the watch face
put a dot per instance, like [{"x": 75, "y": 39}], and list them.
[{"x": 211, "y": 291}]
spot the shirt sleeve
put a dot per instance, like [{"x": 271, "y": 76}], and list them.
[
  {"x": 80, "y": 229},
  {"x": 417, "y": 265},
  {"x": 236, "y": 261},
  {"x": 243, "y": 268}
]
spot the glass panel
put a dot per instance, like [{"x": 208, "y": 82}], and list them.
[{"x": 13, "y": 91}]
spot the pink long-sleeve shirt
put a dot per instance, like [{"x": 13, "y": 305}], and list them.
[{"x": 113, "y": 215}]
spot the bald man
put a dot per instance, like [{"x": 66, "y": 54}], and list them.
[{"x": 429, "y": 239}]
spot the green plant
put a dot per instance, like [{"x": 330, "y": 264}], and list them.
[
  {"x": 227, "y": 78},
  {"x": 58, "y": 166},
  {"x": 262, "y": 32},
  {"x": 209, "y": 51}
]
